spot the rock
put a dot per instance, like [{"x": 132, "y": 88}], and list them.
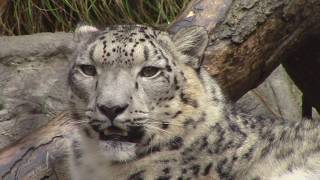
[
  {"x": 276, "y": 97},
  {"x": 32, "y": 90}
]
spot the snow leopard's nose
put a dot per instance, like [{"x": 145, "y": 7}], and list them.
[{"x": 113, "y": 111}]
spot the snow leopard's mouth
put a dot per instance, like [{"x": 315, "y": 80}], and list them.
[{"x": 115, "y": 134}]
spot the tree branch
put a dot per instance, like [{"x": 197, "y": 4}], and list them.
[{"x": 249, "y": 39}]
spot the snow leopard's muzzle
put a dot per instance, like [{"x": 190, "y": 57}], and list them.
[{"x": 132, "y": 134}]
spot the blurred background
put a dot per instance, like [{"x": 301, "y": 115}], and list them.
[{"x": 30, "y": 16}]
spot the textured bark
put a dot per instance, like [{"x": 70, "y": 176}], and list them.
[
  {"x": 249, "y": 39},
  {"x": 41, "y": 155}
]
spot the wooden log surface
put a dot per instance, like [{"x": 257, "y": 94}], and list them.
[
  {"x": 249, "y": 39},
  {"x": 41, "y": 155}
]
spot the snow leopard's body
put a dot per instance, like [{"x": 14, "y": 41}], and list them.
[{"x": 148, "y": 110}]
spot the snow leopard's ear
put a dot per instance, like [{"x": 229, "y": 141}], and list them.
[
  {"x": 83, "y": 32},
  {"x": 192, "y": 41}
]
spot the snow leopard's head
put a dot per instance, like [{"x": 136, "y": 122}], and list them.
[{"x": 134, "y": 87}]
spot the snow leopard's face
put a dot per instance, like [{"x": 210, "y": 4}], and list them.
[{"x": 128, "y": 85}]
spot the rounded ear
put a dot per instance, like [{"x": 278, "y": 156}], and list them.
[
  {"x": 83, "y": 32},
  {"x": 192, "y": 41}
]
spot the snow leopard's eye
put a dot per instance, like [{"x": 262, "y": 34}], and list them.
[
  {"x": 89, "y": 70},
  {"x": 149, "y": 71}
]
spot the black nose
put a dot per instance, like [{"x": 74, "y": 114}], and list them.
[{"x": 112, "y": 112}]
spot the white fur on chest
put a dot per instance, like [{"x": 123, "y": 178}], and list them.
[{"x": 94, "y": 163}]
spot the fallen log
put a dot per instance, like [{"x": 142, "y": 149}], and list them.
[
  {"x": 249, "y": 39},
  {"x": 41, "y": 155}
]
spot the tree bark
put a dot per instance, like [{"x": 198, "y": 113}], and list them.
[
  {"x": 248, "y": 40},
  {"x": 41, "y": 155}
]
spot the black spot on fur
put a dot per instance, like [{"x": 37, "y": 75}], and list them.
[
  {"x": 248, "y": 154},
  {"x": 176, "y": 143},
  {"x": 195, "y": 170},
  {"x": 188, "y": 159},
  {"x": 221, "y": 169},
  {"x": 152, "y": 44},
  {"x": 184, "y": 171},
  {"x": 164, "y": 178},
  {"x": 207, "y": 169},
  {"x": 204, "y": 142},
  {"x": 188, "y": 122},
  {"x": 177, "y": 114},
  {"x": 166, "y": 170},
  {"x": 137, "y": 176},
  {"x": 137, "y": 86},
  {"x": 187, "y": 100}
]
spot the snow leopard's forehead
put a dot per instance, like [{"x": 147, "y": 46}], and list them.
[{"x": 126, "y": 45}]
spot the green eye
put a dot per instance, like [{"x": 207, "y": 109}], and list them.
[
  {"x": 149, "y": 71},
  {"x": 89, "y": 70}
]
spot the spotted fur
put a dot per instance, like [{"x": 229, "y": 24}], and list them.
[{"x": 148, "y": 110}]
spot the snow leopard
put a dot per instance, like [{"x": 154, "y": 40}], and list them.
[{"x": 146, "y": 109}]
